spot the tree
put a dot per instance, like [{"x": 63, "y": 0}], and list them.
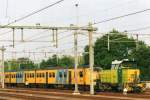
[
  {"x": 20, "y": 63},
  {"x": 120, "y": 46},
  {"x": 86, "y": 55},
  {"x": 26, "y": 63},
  {"x": 54, "y": 61},
  {"x": 66, "y": 61},
  {"x": 142, "y": 56},
  {"x": 50, "y": 62}
]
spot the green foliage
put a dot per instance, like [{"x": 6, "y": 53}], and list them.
[
  {"x": 86, "y": 55},
  {"x": 120, "y": 46},
  {"x": 51, "y": 62},
  {"x": 26, "y": 63},
  {"x": 19, "y": 64},
  {"x": 65, "y": 61},
  {"x": 142, "y": 56}
]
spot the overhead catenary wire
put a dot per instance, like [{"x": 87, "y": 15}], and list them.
[
  {"x": 114, "y": 18},
  {"x": 4, "y": 33},
  {"x": 35, "y": 12},
  {"x": 122, "y": 16},
  {"x": 20, "y": 41},
  {"x": 138, "y": 29},
  {"x": 106, "y": 21}
]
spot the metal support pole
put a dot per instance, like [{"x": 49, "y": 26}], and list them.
[
  {"x": 53, "y": 32},
  {"x": 76, "y": 91},
  {"x": 108, "y": 44},
  {"x": 137, "y": 44},
  {"x": 2, "y": 76},
  {"x": 91, "y": 59},
  {"x": 56, "y": 38},
  {"x": 13, "y": 37},
  {"x": 9, "y": 65},
  {"x": 22, "y": 34},
  {"x": 56, "y": 44},
  {"x": 19, "y": 66}
]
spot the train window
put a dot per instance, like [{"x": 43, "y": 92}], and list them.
[
  {"x": 17, "y": 76},
  {"x": 37, "y": 75},
  {"x": 25, "y": 75},
  {"x": 81, "y": 74},
  {"x": 50, "y": 75},
  {"x": 40, "y": 75},
  {"x": 20, "y": 75},
  {"x": 43, "y": 75},
  {"x": 5, "y": 76},
  {"x": 65, "y": 74},
  {"x": 33, "y": 75},
  {"x": 60, "y": 74},
  {"x": 53, "y": 74},
  {"x": 28, "y": 75}
]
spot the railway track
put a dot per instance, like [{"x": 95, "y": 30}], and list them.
[{"x": 46, "y": 94}]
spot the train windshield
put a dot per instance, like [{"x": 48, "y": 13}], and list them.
[{"x": 129, "y": 64}]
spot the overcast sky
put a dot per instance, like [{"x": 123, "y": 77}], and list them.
[{"x": 65, "y": 14}]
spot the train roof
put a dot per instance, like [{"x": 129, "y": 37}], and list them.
[{"x": 53, "y": 68}]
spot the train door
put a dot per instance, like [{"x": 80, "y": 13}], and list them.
[
  {"x": 46, "y": 78},
  {"x": 120, "y": 85},
  {"x": 84, "y": 76},
  {"x": 69, "y": 77},
  {"x": 9, "y": 77},
  {"x": 25, "y": 77}
]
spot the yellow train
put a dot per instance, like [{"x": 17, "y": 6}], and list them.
[
  {"x": 117, "y": 78},
  {"x": 55, "y": 77}
]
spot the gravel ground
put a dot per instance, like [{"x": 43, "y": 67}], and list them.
[{"x": 54, "y": 94}]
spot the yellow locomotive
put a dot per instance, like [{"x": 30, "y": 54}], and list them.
[{"x": 123, "y": 74}]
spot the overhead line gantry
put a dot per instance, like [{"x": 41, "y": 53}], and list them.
[{"x": 89, "y": 28}]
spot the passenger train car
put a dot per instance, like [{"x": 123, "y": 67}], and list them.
[{"x": 54, "y": 78}]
